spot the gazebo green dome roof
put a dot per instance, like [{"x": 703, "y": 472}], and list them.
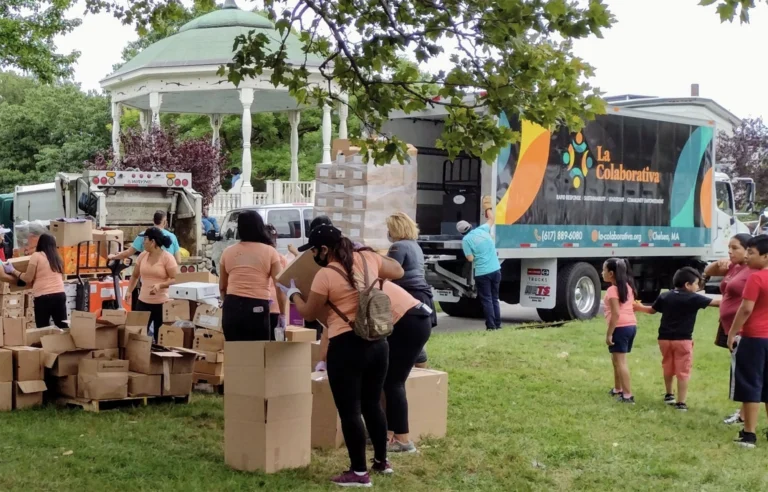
[{"x": 208, "y": 40}]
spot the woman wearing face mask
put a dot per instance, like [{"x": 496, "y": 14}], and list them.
[
  {"x": 735, "y": 273},
  {"x": 244, "y": 280},
  {"x": 356, "y": 367}
]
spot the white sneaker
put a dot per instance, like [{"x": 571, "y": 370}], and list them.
[{"x": 734, "y": 419}]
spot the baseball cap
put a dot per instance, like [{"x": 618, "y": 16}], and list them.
[
  {"x": 463, "y": 226},
  {"x": 322, "y": 235}
]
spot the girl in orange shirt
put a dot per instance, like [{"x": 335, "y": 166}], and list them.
[
  {"x": 356, "y": 367},
  {"x": 246, "y": 269},
  {"x": 622, "y": 324},
  {"x": 157, "y": 270},
  {"x": 44, "y": 273}
]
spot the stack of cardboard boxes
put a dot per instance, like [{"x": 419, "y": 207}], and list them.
[
  {"x": 21, "y": 367},
  {"x": 358, "y": 196}
]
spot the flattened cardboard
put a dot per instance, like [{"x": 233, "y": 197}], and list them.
[
  {"x": 6, "y": 366},
  {"x": 144, "y": 384},
  {"x": 267, "y": 369},
  {"x": 65, "y": 386},
  {"x": 178, "y": 385},
  {"x": 6, "y": 397},
  {"x": 302, "y": 271},
  {"x": 175, "y": 310},
  {"x": 326, "y": 424},
  {"x": 61, "y": 355},
  {"x": 136, "y": 323},
  {"x": 14, "y": 332},
  {"x": 28, "y": 394},
  {"x": 27, "y": 363},
  {"x": 146, "y": 358},
  {"x": 207, "y": 316},
  {"x": 296, "y": 334},
  {"x": 208, "y": 340},
  {"x": 269, "y": 434},
  {"x": 33, "y": 335},
  {"x": 90, "y": 333},
  {"x": 209, "y": 368}
]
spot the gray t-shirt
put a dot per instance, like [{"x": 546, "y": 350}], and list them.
[{"x": 408, "y": 253}]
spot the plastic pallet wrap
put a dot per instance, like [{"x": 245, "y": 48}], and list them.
[
  {"x": 358, "y": 197},
  {"x": 27, "y": 233}
]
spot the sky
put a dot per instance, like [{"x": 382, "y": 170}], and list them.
[{"x": 657, "y": 48}]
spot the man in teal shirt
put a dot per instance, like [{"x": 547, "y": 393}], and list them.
[
  {"x": 480, "y": 250},
  {"x": 160, "y": 220}
]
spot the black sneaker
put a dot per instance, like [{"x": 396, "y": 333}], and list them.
[
  {"x": 630, "y": 400},
  {"x": 681, "y": 406},
  {"x": 669, "y": 399},
  {"x": 746, "y": 439},
  {"x": 614, "y": 393}
]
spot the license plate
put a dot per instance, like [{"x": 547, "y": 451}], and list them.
[{"x": 444, "y": 295}]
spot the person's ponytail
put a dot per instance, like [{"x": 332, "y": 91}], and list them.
[{"x": 622, "y": 272}]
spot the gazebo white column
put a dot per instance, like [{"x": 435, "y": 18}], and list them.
[
  {"x": 293, "y": 118},
  {"x": 246, "y": 190},
  {"x": 326, "y": 134},
  {"x": 216, "y": 121},
  {"x": 117, "y": 111},
  {"x": 343, "y": 112},
  {"x": 144, "y": 118},
  {"x": 155, "y": 101}
]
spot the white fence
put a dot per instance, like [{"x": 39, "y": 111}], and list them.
[{"x": 277, "y": 192}]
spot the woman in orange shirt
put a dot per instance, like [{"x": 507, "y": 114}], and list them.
[
  {"x": 356, "y": 367},
  {"x": 44, "y": 273},
  {"x": 246, "y": 269},
  {"x": 157, "y": 270},
  {"x": 276, "y": 310}
]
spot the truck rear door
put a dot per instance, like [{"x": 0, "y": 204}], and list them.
[{"x": 288, "y": 222}]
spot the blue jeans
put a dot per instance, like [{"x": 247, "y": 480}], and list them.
[{"x": 488, "y": 291}]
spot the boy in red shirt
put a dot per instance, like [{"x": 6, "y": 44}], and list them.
[{"x": 751, "y": 356}]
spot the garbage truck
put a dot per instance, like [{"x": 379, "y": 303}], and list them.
[{"x": 630, "y": 184}]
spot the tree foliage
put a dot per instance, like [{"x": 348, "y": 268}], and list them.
[
  {"x": 45, "y": 129},
  {"x": 163, "y": 150},
  {"x": 745, "y": 154},
  {"x": 728, "y": 10},
  {"x": 27, "y": 30},
  {"x": 504, "y": 56}
]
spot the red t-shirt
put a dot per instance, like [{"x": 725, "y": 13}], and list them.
[
  {"x": 756, "y": 291},
  {"x": 732, "y": 288}
]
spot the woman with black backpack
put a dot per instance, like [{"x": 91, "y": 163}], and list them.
[{"x": 356, "y": 362}]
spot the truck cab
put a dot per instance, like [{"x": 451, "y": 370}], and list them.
[{"x": 728, "y": 213}]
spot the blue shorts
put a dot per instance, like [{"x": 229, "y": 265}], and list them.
[
  {"x": 623, "y": 337},
  {"x": 750, "y": 371}
]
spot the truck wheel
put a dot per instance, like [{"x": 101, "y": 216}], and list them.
[
  {"x": 465, "y": 308},
  {"x": 578, "y": 292}
]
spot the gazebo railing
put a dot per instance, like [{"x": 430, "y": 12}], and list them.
[{"x": 277, "y": 191}]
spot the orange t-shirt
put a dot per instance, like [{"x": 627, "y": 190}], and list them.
[
  {"x": 46, "y": 281},
  {"x": 330, "y": 283},
  {"x": 400, "y": 299},
  {"x": 626, "y": 313},
  {"x": 274, "y": 307},
  {"x": 155, "y": 273},
  {"x": 247, "y": 269}
]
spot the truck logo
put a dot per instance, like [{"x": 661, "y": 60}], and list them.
[
  {"x": 538, "y": 272},
  {"x": 577, "y": 173},
  {"x": 537, "y": 290}
]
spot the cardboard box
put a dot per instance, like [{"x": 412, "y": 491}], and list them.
[
  {"x": 316, "y": 356},
  {"x": 186, "y": 363},
  {"x": 18, "y": 312},
  {"x": 207, "y": 316},
  {"x": 71, "y": 233},
  {"x": 302, "y": 271},
  {"x": 90, "y": 333},
  {"x": 34, "y": 335},
  {"x": 105, "y": 354},
  {"x": 326, "y": 425},
  {"x": 136, "y": 323},
  {"x": 176, "y": 336},
  {"x": 27, "y": 363},
  {"x": 146, "y": 358},
  {"x": 144, "y": 384},
  {"x": 427, "y": 392},
  {"x": 12, "y": 301},
  {"x": 108, "y": 241},
  {"x": 62, "y": 357},
  {"x": 267, "y": 369},
  {"x": 14, "y": 332},
  {"x": 175, "y": 310},
  {"x": 209, "y": 368},
  {"x": 6, "y": 366},
  {"x": 178, "y": 385},
  {"x": 201, "y": 277},
  {"x": 6, "y": 397},
  {"x": 20, "y": 264},
  {"x": 194, "y": 291},
  {"x": 28, "y": 394},
  {"x": 208, "y": 341},
  {"x": 267, "y": 434},
  {"x": 64, "y": 386},
  {"x": 199, "y": 377},
  {"x": 296, "y": 334},
  {"x": 101, "y": 379},
  {"x": 212, "y": 357}
]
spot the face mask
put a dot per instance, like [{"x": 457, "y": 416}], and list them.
[{"x": 322, "y": 262}]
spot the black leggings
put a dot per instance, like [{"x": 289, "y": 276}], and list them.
[
  {"x": 155, "y": 316},
  {"x": 245, "y": 319},
  {"x": 51, "y": 306},
  {"x": 405, "y": 343},
  {"x": 356, "y": 372}
]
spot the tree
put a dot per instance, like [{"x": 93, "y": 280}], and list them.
[
  {"x": 27, "y": 31},
  {"x": 162, "y": 150},
  {"x": 745, "y": 154},
  {"x": 509, "y": 56},
  {"x": 730, "y": 9}
]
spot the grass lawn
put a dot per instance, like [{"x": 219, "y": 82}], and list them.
[{"x": 528, "y": 411}]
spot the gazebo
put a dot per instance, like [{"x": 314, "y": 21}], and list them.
[{"x": 178, "y": 75}]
